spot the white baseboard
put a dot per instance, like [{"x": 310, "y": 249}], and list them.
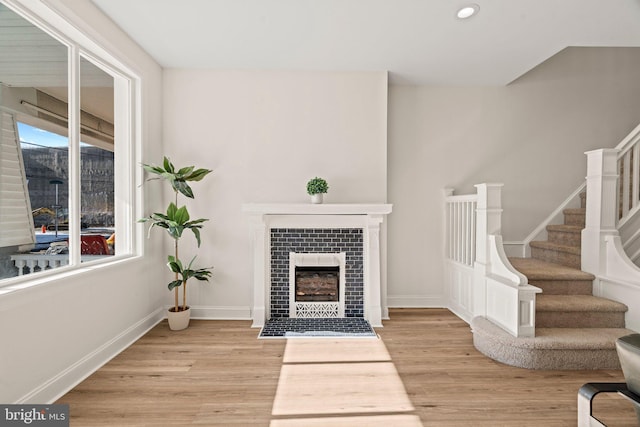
[
  {"x": 462, "y": 314},
  {"x": 59, "y": 385},
  {"x": 415, "y": 301},
  {"x": 221, "y": 313},
  {"x": 624, "y": 292}
]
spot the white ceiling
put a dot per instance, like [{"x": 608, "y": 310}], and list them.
[{"x": 417, "y": 41}]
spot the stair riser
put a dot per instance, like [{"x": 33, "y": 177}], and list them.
[
  {"x": 546, "y": 358},
  {"x": 574, "y": 219},
  {"x": 565, "y": 238},
  {"x": 570, "y": 260},
  {"x": 555, "y": 319},
  {"x": 564, "y": 287}
]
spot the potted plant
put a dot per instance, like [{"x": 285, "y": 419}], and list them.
[
  {"x": 175, "y": 221},
  {"x": 316, "y": 187}
]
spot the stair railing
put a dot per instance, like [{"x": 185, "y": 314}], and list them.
[
  {"x": 460, "y": 251},
  {"x": 628, "y": 168},
  {"x": 480, "y": 279},
  {"x": 617, "y": 278}
]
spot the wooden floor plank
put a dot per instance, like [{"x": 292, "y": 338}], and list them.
[{"x": 217, "y": 373}]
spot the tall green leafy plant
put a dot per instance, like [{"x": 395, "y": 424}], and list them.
[{"x": 175, "y": 221}]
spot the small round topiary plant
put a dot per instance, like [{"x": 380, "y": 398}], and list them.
[{"x": 317, "y": 186}]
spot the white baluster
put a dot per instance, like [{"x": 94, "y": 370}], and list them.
[{"x": 20, "y": 264}]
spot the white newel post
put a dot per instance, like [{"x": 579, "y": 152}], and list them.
[
  {"x": 600, "y": 221},
  {"x": 488, "y": 221}
]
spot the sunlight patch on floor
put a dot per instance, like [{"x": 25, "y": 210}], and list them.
[
  {"x": 340, "y": 388},
  {"x": 365, "y": 421},
  {"x": 326, "y": 350},
  {"x": 338, "y": 382}
]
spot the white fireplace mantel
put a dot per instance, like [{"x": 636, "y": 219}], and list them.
[
  {"x": 265, "y": 216},
  {"x": 317, "y": 209}
]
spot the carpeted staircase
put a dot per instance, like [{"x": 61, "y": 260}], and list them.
[{"x": 574, "y": 329}]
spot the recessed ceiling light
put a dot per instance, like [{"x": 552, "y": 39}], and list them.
[{"x": 467, "y": 11}]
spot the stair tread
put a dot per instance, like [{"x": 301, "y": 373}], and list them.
[
  {"x": 543, "y": 244},
  {"x": 579, "y": 338},
  {"x": 565, "y": 227},
  {"x": 575, "y": 211},
  {"x": 555, "y": 338},
  {"x": 577, "y": 303},
  {"x": 536, "y": 269},
  {"x": 551, "y": 348}
]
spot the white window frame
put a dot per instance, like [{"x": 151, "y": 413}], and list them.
[{"x": 127, "y": 149}]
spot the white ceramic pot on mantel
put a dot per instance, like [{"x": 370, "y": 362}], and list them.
[
  {"x": 178, "y": 320},
  {"x": 316, "y": 198}
]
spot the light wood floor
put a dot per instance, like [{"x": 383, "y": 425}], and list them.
[{"x": 217, "y": 373}]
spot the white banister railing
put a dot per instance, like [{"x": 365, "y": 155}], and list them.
[
  {"x": 617, "y": 278},
  {"x": 480, "y": 279},
  {"x": 628, "y": 170},
  {"x": 461, "y": 227},
  {"x": 460, "y": 252}
]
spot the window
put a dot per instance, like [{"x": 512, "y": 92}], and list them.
[{"x": 65, "y": 189}]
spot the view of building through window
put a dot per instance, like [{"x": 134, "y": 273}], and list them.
[{"x": 46, "y": 160}]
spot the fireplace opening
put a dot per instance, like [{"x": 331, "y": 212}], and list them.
[{"x": 317, "y": 284}]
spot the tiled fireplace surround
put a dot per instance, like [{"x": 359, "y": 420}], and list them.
[
  {"x": 317, "y": 240},
  {"x": 279, "y": 229}
]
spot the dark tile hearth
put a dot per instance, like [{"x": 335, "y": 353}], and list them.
[{"x": 286, "y": 327}]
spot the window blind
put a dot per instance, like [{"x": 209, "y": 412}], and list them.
[{"x": 16, "y": 222}]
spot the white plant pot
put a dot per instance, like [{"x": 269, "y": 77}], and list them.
[
  {"x": 316, "y": 198},
  {"x": 179, "y": 320}
]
